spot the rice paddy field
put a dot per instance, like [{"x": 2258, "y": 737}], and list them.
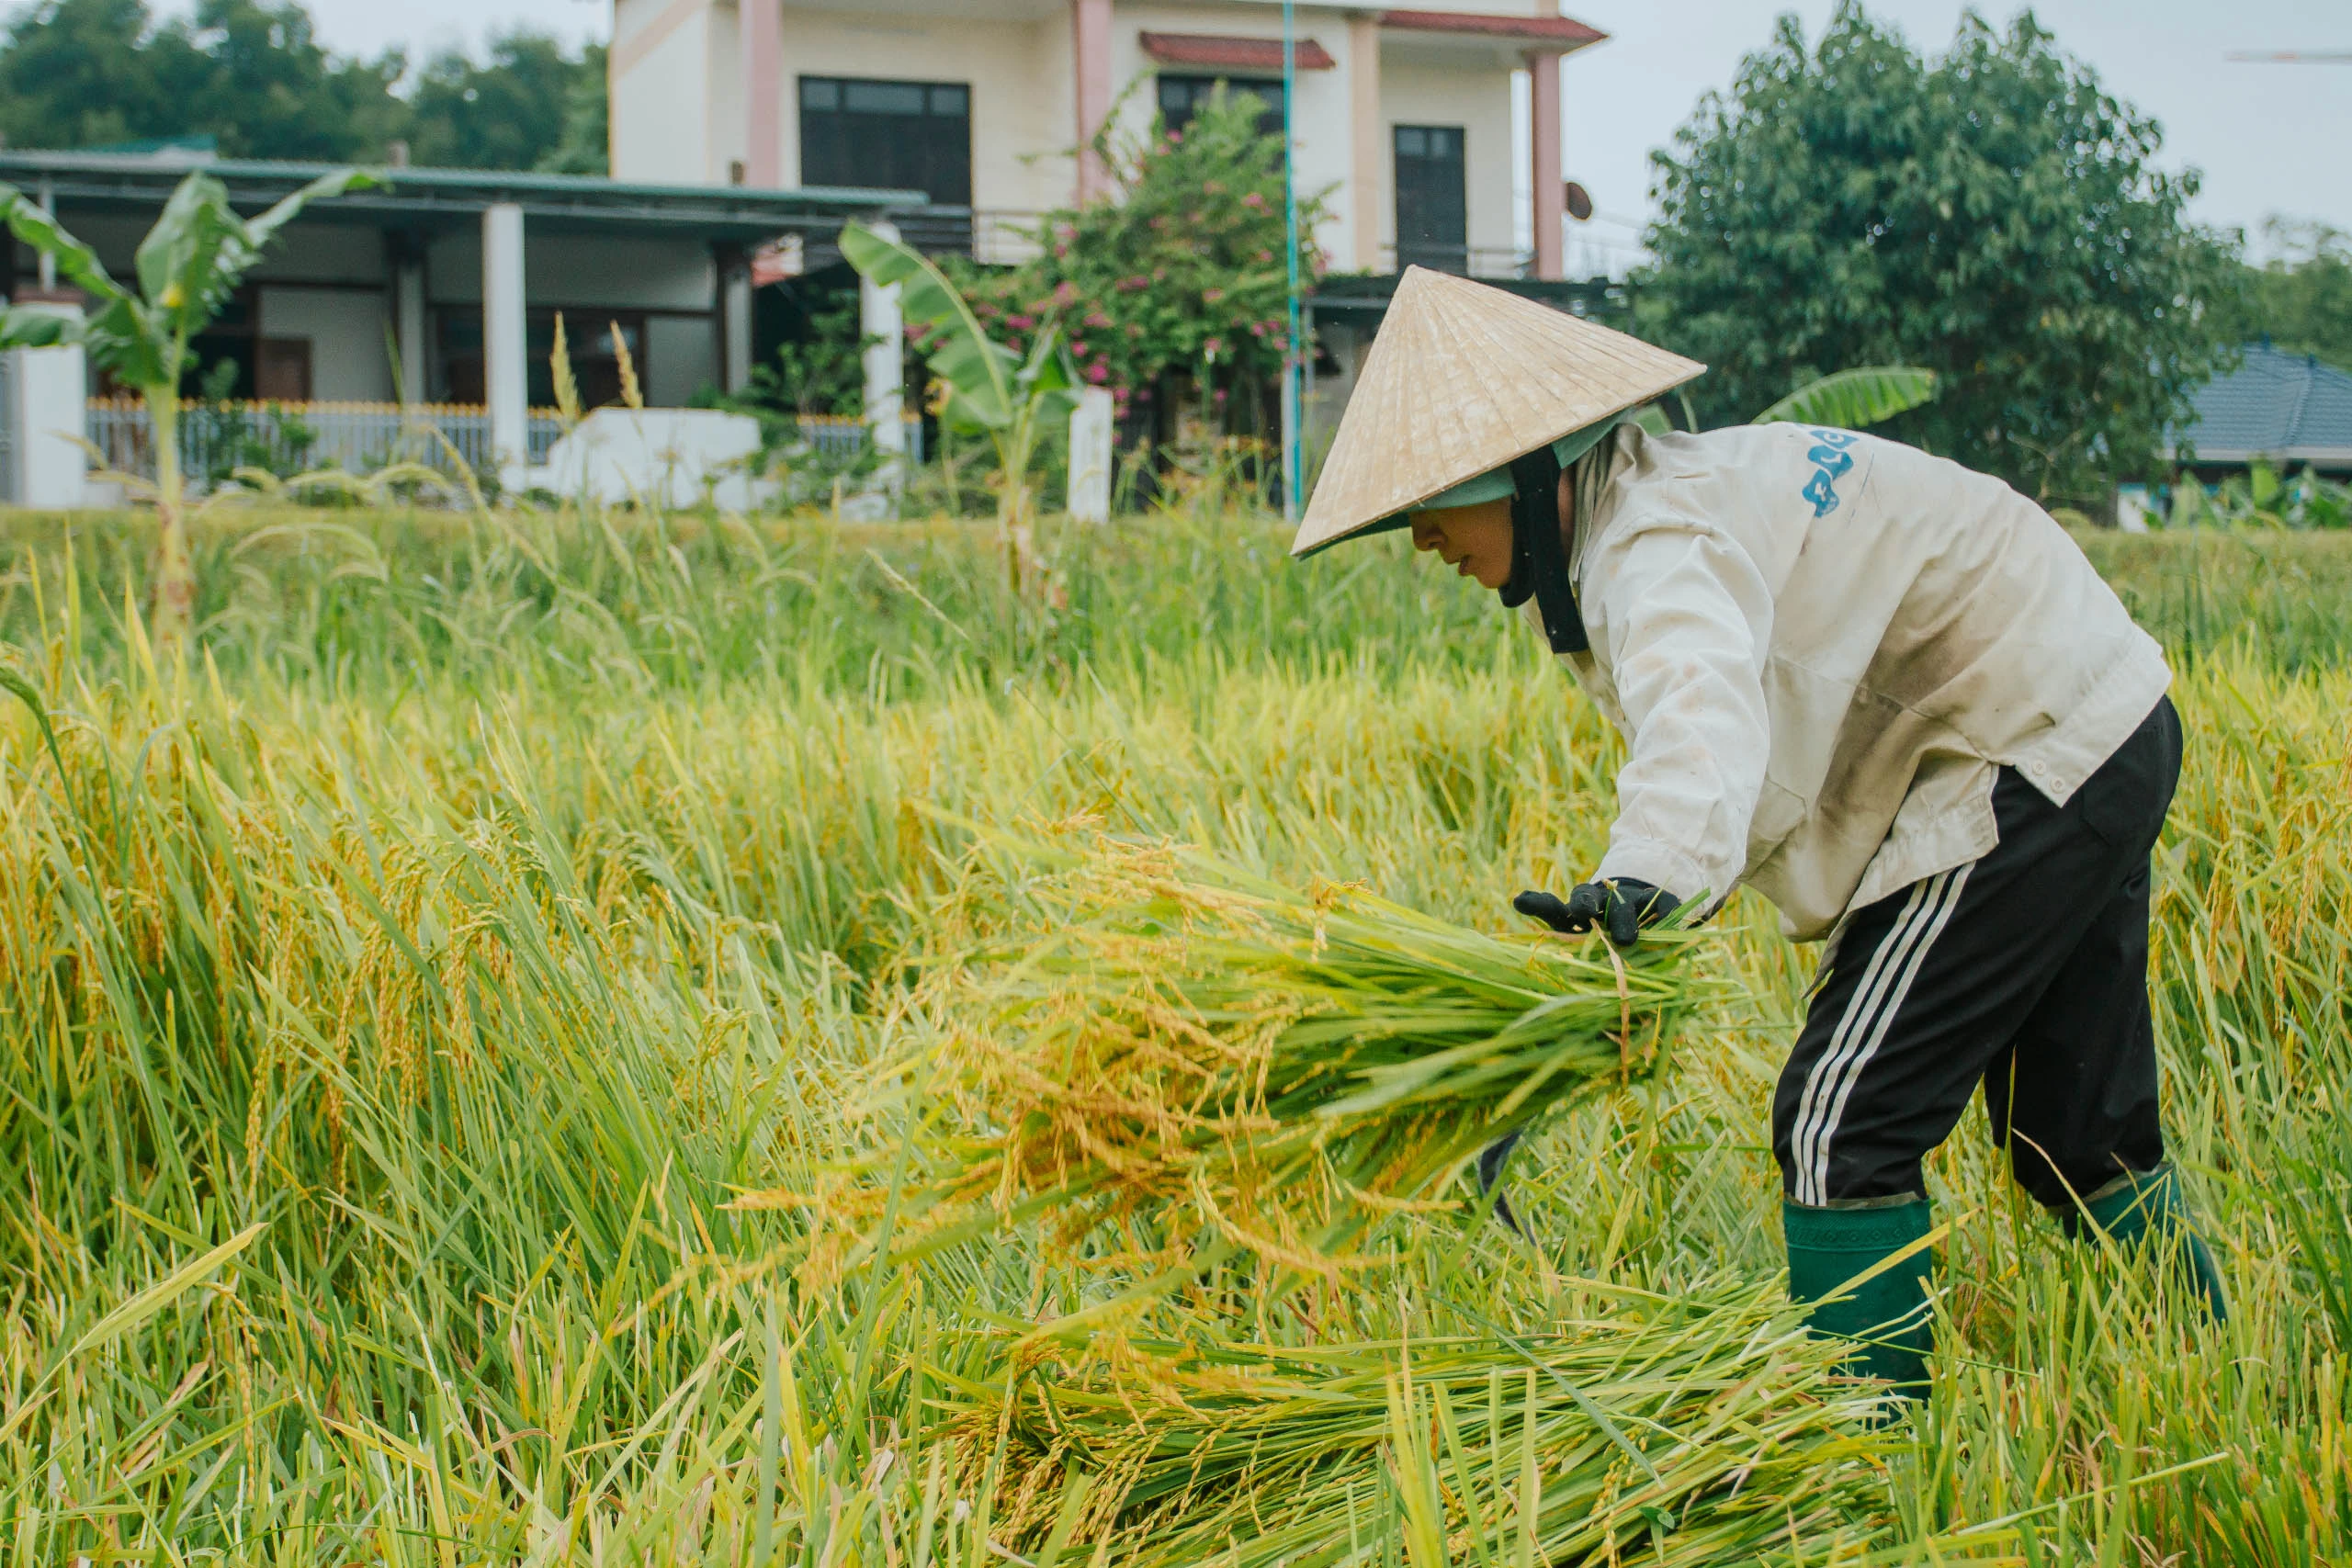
[{"x": 439, "y": 1019}]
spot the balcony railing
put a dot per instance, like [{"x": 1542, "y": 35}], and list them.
[
  {"x": 991, "y": 236},
  {"x": 1469, "y": 261},
  {"x": 216, "y": 439}
]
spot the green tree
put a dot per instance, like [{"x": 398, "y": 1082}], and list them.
[
  {"x": 583, "y": 146},
  {"x": 2302, "y": 298},
  {"x": 252, "y": 74},
  {"x": 1991, "y": 215},
  {"x": 509, "y": 112},
  {"x": 1181, "y": 270},
  {"x": 85, "y": 72}
]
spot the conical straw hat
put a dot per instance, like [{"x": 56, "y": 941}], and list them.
[{"x": 1462, "y": 380}]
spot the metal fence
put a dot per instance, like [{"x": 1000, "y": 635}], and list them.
[
  {"x": 843, "y": 436},
  {"x": 216, "y": 439}
]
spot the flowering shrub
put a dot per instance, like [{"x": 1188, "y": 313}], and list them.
[{"x": 1179, "y": 270}]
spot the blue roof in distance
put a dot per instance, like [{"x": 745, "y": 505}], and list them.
[{"x": 2292, "y": 408}]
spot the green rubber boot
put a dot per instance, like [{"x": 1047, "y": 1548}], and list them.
[
  {"x": 1885, "y": 1315},
  {"x": 2143, "y": 1209}
]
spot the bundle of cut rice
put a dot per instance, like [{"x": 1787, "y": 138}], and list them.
[
  {"x": 1168, "y": 1060},
  {"x": 1701, "y": 1430}
]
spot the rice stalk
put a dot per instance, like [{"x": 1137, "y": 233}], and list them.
[{"x": 1166, "y": 1059}]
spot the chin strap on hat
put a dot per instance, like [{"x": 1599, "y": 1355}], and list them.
[{"x": 1539, "y": 556}]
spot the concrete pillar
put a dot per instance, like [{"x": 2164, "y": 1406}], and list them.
[
  {"x": 735, "y": 320},
  {"x": 506, "y": 341},
  {"x": 52, "y": 413},
  {"x": 46, "y": 268},
  {"x": 761, "y": 38},
  {"x": 1090, "y": 457},
  {"x": 1371, "y": 157},
  {"x": 1551, "y": 200},
  {"x": 1089, "y": 26},
  {"x": 880, "y": 319},
  {"x": 407, "y": 324}
]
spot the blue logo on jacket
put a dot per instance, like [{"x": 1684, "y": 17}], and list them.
[{"x": 1831, "y": 461}]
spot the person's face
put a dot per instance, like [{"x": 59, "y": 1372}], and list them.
[{"x": 1474, "y": 540}]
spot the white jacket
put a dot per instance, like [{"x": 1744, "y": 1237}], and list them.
[{"x": 1819, "y": 645}]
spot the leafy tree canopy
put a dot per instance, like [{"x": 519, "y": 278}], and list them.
[
  {"x": 1991, "y": 215},
  {"x": 2302, "y": 298},
  {"x": 1182, "y": 270},
  {"x": 252, "y": 74}
]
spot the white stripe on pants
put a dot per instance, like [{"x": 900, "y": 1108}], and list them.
[{"x": 1885, "y": 982}]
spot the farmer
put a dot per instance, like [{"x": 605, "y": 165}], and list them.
[{"x": 1888, "y": 694}]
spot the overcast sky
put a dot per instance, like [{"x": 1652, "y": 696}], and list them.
[{"x": 2270, "y": 138}]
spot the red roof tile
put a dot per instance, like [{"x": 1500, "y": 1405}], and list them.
[
  {"x": 1222, "y": 53},
  {"x": 1565, "y": 31}
]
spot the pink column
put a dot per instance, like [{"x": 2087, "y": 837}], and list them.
[
  {"x": 762, "y": 41},
  {"x": 1089, "y": 27},
  {"x": 1550, "y": 201}
]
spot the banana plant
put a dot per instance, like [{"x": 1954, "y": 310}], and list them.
[
  {"x": 1849, "y": 400},
  {"x": 188, "y": 264},
  {"x": 986, "y": 387}
]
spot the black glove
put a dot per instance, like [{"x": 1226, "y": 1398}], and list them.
[{"x": 1621, "y": 907}]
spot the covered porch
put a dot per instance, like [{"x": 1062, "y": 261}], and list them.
[{"x": 430, "y": 304}]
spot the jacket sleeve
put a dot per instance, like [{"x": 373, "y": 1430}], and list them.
[{"x": 1686, "y": 618}]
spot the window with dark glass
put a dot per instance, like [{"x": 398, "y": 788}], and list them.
[
  {"x": 1432, "y": 212},
  {"x": 887, "y": 136},
  {"x": 1182, "y": 98}
]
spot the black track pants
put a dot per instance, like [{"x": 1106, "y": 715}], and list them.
[{"x": 2026, "y": 969}]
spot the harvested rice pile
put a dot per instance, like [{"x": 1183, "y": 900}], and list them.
[
  {"x": 1697, "y": 1431},
  {"x": 1168, "y": 1060}
]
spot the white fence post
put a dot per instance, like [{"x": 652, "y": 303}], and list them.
[
  {"x": 1090, "y": 457},
  {"x": 880, "y": 318},
  {"x": 50, "y": 404},
  {"x": 505, "y": 343}
]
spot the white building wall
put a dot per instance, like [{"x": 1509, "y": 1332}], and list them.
[
  {"x": 678, "y": 113},
  {"x": 324, "y": 253},
  {"x": 1419, "y": 86},
  {"x": 661, "y": 88},
  {"x": 681, "y": 359},
  {"x": 565, "y": 270},
  {"x": 350, "y": 356},
  {"x": 722, "y": 102},
  {"x": 1019, "y": 72}
]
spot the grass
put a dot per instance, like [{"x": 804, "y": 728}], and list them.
[{"x": 401, "y": 998}]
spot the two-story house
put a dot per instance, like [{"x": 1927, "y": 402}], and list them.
[{"x": 1404, "y": 116}]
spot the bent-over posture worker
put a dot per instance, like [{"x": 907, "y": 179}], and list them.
[{"x": 1885, "y": 691}]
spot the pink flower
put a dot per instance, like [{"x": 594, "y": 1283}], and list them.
[
  {"x": 1214, "y": 347},
  {"x": 1097, "y": 320},
  {"x": 1254, "y": 202},
  {"x": 1134, "y": 284},
  {"x": 1211, "y": 296},
  {"x": 1019, "y": 323},
  {"x": 1065, "y": 294},
  {"x": 1060, "y": 251},
  {"x": 1098, "y": 373}
]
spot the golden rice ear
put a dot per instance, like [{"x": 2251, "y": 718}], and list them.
[{"x": 1463, "y": 378}]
